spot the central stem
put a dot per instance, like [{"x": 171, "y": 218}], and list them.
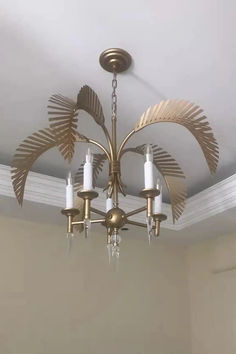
[{"x": 114, "y": 144}]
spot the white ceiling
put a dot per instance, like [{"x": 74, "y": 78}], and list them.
[{"x": 180, "y": 49}]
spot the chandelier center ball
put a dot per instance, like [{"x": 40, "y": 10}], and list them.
[
  {"x": 115, "y": 218},
  {"x": 115, "y": 60}
]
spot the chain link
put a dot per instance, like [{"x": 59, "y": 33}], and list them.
[{"x": 114, "y": 96}]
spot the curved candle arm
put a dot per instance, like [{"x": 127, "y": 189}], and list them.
[
  {"x": 123, "y": 144},
  {"x": 108, "y": 141},
  {"x": 94, "y": 142}
]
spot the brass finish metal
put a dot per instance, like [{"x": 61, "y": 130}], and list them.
[
  {"x": 98, "y": 221},
  {"x": 149, "y": 193},
  {"x": 115, "y": 60},
  {"x": 95, "y": 221},
  {"x": 172, "y": 174},
  {"x": 99, "y": 212},
  {"x": 158, "y": 218},
  {"x": 63, "y": 133},
  {"x": 136, "y": 211},
  {"x": 188, "y": 115},
  {"x": 70, "y": 213},
  {"x": 94, "y": 142},
  {"x": 64, "y": 123},
  {"x": 123, "y": 144},
  {"x": 79, "y": 204},
  {"x": 115, "y": 218},
  {"x": 136, "y": 223},
  {"x": 87, "y": 196},
  {"x": 87, "y": 203},
  {"x": 115, "y": 167},
  {"x": 88, "y": 101},
  {"x": 26, "y": 154},
  {"x": 90, "y": 195}
]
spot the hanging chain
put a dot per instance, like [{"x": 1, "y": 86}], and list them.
[{"x": 114, "y": 96}]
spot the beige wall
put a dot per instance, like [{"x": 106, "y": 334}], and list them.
[
  {"x": 51, "y": 304},
  {"x": 212, "y": 287}
]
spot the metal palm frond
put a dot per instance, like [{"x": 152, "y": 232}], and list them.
[
  {"x": 98, "y": 163},
  {"x": 188, "y": 115},
  {"x": 64, "y": 123},
  {"x": 172, "y": 174},
  {"x": 26, "y": 154},
  {"x": 88, "y": 101}
]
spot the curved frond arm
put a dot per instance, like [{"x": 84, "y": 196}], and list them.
[
  {"x": 98, "y": 163},
  {"x": 188, "y": 115},
  {"x": 26, "y": 154},
  {"x": 88, "y": 101},
  {"x": 63, "y": 121},
  {"x": 172, "y": 174}
]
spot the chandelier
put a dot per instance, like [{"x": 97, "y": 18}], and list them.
[{"x": 62, "y": 133}]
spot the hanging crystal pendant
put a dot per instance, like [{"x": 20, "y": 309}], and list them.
[
  {"x": 149, "y": 228},
  {"x": 115, "y": 241},
  {"x": 109, "y": 245},
  {"x": 113, "y": 248},
  {"x": 69, "y": 237},
  {"x": 109, "y": 252},
  {"x": 87, "y": 227}
]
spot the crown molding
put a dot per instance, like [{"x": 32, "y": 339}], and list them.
[{"x": 51, "y": 191}]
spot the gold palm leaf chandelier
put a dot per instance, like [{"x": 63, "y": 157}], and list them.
[{"x": 62, "y": 132}]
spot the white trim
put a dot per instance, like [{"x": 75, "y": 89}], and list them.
[{"x": 51, "y": 191}]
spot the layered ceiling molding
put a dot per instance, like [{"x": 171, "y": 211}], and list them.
[{"x": 51, "y": 191}]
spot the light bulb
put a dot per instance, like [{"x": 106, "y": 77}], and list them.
[
  {"x": 148, "y": 153},
  {"x": 89, "y": 156}
]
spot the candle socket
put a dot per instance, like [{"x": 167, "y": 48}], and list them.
[
  {"x": 149, "y": 194},
  {"x": 70, "y": 213},
  {"x": 158, "y": 218},
  {"x": 87, "y": 196}
]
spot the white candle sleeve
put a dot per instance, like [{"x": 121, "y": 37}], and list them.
[
  {"x": 158, "y": 202},
  {"x": 69, "y": 192},
  {"x": 148, "y": 175},
  {"x": 109, "y": 204},
  {"x": 148, "y": 169},
  {"x": 88, "y": 172}
]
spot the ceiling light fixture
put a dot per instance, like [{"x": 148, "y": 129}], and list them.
[{"x": 63, "y": 133}]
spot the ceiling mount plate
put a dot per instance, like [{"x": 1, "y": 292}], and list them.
[{"x": 115, "y": 60}]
